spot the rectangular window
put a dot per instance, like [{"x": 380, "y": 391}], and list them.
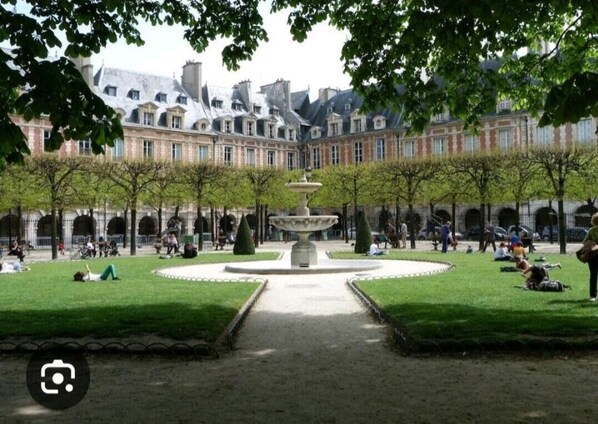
[
  {"x": 470, "y": 144},
  {"x": 118, "y": 151},
  {"x": 544, "y": 135},
  {"x": 250, "y": 130},
  {"x": 148, "y": 118},
  {"x": 177, "y": 122},
  {"x": 504, "y": 139},
  {"x": 584, "y": 131},
  {"x": 290, "y": 161},
  {"x": 228, "y": 126},
  {"x": 335, "y": 154},
  {"x": 84, "y": 147},
  {"x": 228, "y": 155},
  {"x": 148, "y": 149},
  {"x": 162, "y": 97},
  {"x": 270, "y": 131},
  {"x": 46, "y": 140},
  {"x": 410, "y": 149},
  {"x": 177, "y": 152},
  {"x": 291, "y": 134},
  {"x": 134, "y": 94},
  {"x": 358, "y": 152},
  {"x": 439, "y": 146},
  {"x": 334, "y": 129},
  {"x": 357, "y": 125},
  {"x": 315, "y": 158},
  {"x": 111, "y": 90},
  {"x": 250, "y": 157},
  {"x": 202, "y": 153},
  {"x": 380, "y": 149},
  {"x": 271, "y": 158}
]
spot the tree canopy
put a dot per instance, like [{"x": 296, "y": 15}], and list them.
[{"x": 420, "y": 57}]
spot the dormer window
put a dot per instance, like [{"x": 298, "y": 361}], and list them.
[
  {"x": 274, "y": 111},
  {"x": 440, "y": 117},
  {"x": 238, "y": 106},
  {"x": 379, "y": 122},
  {"x": 175, "y": 117},
  {"x": 291, "y": 134},
  {"x": 161, "y": 97},
  {"x": 110, "y": 90},
  {"x": 315, "y": 133},
  {"x": 358, "y": 122},
  {"x": 504, "y": 106},
  {"x": 227, "y": 126},
  {"x": 347, "y": 106},
  {"x": 182, "y": 99},
  {"x": 257, "y": 109},
  {"x": 134, "y": 94},
  {"x": 250, "y": 126},
  {"x": 328, "y": 109},
  {"x": 217, "y": 103},
  {"x": 271, "y": 130},
  {"x": 147, "y": 114}
]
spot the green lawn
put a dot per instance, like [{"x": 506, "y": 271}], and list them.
[
  {"x": 474, "y": 302},
  {"x": 46, "y": 303}
]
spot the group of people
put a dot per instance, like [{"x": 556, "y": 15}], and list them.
[{"x": 397, "y": 239}]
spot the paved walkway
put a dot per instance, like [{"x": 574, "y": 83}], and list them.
[{"x": 309, "y": 353}]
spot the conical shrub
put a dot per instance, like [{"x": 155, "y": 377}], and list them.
[
  {"x": 363, "y": 239},
  {"x": 243, "y": 242}
]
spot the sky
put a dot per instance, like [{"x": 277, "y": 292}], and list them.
[{"x": 313, "y": 64}]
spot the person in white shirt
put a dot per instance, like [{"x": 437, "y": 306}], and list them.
[
  {"x": 89, "y": 276},
  {"x": 501, "y": 253},
  {"x": 375, "y": 248}
]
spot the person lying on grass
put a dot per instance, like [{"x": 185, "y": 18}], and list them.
[
  {"x": 89, "y": 276},
  {"x": 9, "y": 268}
]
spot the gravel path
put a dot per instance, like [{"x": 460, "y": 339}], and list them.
[{"x": 309, "y": 353}]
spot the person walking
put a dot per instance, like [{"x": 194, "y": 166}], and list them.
[
  {"x": 592, "y": 235},
  {"x": 445, "y": 232},
  {"x": 404, "y": 234},
  {"x": 490, "y": 237}
]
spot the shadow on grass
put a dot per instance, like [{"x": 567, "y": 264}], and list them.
[{"x": 171, "y": 320}]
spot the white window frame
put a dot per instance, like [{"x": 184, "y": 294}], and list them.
[
  {"x": 335, "y": 156},
  {"x": 439, "y": 146},
  {"x": 544, "y": 135},
  {"x": 147, "y": 149},
  {"x": 148, "y": 118},
  {"x": 118, "y": 150},
  {"x": 358, "y": 152},
  {"x": 315, "y": 158},
  {"x": 291, "y": 163},
  {"x": 46, "y": 137},
  {"x": 176, "y": 151},
  {"x": 380, "y": 149},
  {"x": 176, "y": 122},
  {"x": 505, "y": 139},
  {"x": 228, "y": 126},
  {"x": 227, "y": 155},
  {"x": 250, "y": 156},
  {"x": 203, "y": 153},
  {"x": 584, "y": 130},
  {"x": 470, "y": 143},
  {"x": 271, "y": 157},
  {"x": 409, "y": 149},
  {"x": 84, "y": 147}
]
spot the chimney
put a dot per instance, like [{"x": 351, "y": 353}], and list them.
[
  {"x": 325, "y": 94},
  {"x": 84, "y": 66},
  {"x": 191, "y": 79}
]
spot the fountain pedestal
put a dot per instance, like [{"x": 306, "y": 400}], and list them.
[{"x": 303, "y": 253}]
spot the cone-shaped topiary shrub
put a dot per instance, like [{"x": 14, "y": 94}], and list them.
[
  {"x": 243, "y": 242},
  {"x": 363, "y": 240}
]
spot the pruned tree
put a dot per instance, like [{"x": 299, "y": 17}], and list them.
[
  {"x": 559, "y": 165},
  {"x": 133, "y": 178},
  {"x": 55, "y": 175},
  {"x": 479, "y": 172},
  {"x": 199, "y": 180},
  {"x": 410, "y": 175}
]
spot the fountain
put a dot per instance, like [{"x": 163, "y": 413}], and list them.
[
  {"x": 303, "y": 253},
  {"x": 304, "y": 257}
]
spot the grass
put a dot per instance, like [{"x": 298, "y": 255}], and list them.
[
  {"x": 46, "y": 303},
  {"x": 475, "y": 302}
]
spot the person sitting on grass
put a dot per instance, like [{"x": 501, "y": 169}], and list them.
[
  {"x": 89, "y": 276},
  {"x": 519, "y": 250},
  {"x": 375, "y": 248},
  {"x": 189, "y": 251},
  {"x": 501, "y": 253}
]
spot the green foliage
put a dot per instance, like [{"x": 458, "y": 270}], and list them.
[
  {"x": 244, "y": 242},
  {"x": 458, "y": 306},
  {"x": 363, "y": 239},
  {"x": 141, "y": 304}
]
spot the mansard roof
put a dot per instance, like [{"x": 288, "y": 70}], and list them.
[{"x": 148, "y": 86}]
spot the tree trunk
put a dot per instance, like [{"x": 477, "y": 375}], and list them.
[
  {"x": 160, "y": 220},
  {"x": 345, "y": 222},
  {"x": 93, "y": 225},
  {"x": 257, "y": 224},
  {"x": 199, "y": 227},
  {"x": 61, "y": 224},
  {"x": 411, "y": 226},
  {"x": 53, "y": 235},
  {"x": 125, "y": 232},
  {"x": 562, "y": 234},
  {"x": 20, "y": 227},
  {"x": 133, "y": 232},
  {"x": 482, "y": 225},
  {"x": 212, "y": 226}
]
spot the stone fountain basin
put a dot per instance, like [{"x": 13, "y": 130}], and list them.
[
  {"x": 304, "y": 223},
  {"x": 303, "y": 187}
]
